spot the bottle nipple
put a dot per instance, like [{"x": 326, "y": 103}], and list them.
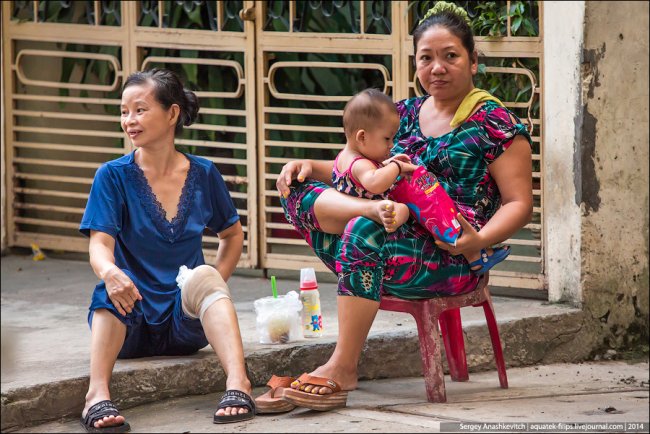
[{"x": 308, "y": 278}]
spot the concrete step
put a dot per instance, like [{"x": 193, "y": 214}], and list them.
[
  {"x": 600, "y": 394},
  {"x": 46, "y": 341}
]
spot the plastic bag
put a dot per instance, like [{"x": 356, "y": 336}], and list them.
[
  {"x": 184, "y": 274},
  {"x": 429, "y": 204},
  {"x": 279, "y": 320}
]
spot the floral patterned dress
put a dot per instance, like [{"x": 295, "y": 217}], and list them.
[{"x": 407, "y": 263}]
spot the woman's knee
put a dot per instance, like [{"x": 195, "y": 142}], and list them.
[
  {"x": 204, "y": 287},
  {"x": 106, "y": 318},
  {"x": 298, "y": 206},
  {"x": 361, "y": 245},
  {"x": 364, "y": 231},
  {"x": 363, "y": 223}
]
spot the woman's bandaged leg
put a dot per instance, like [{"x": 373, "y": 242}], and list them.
[{"x": 200, "y": 288}]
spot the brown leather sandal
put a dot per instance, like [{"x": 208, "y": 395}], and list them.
[
  {"x": 314, "y": 401},
  {"x": 272, "y": 401}
]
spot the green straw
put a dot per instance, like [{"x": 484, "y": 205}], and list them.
[{"x": 274, "y": 288}]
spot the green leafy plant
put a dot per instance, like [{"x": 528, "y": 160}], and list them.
[
  {"x": 491, "y": 20},
  {"x": 524, "y": 19}
]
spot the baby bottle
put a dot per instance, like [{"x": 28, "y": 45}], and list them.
[{"x": 312, "y": 322}]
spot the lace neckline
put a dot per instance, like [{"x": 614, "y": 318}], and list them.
[{"x": 171, "y": 230}]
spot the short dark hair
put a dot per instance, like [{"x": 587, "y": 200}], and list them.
[
  {"x": 364, "y": 110},
  {"x": 453, "y": 22},
  {"x": 168, "y": 90}
]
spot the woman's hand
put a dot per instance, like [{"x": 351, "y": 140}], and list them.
[
  {"x": 469, "y": 241},
  {"x": 121, "y": 290},
  {"x": 298, "y": 169}
]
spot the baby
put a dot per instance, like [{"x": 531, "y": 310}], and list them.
[{"x": 363, "y": 168}]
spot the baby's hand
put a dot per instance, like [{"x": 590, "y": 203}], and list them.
[
  {"x": 408, "y": 167},
  {"x": 403, "y": 158}
]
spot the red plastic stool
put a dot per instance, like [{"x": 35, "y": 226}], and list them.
[{"x": 446, "y": 310}]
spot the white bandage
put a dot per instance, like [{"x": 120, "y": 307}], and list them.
[{"x": 200, "y": 288}]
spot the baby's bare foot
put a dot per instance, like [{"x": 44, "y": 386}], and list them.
[
  {"x": 401, "y": 215},
  {"x": 389, "y": 214}
]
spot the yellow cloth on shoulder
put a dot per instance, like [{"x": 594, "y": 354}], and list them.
[{"x": 476, "y": 96}]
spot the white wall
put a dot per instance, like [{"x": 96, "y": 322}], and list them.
[{"x": 563, "y": 41}]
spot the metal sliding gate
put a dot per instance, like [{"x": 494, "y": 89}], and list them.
[{"x": 272, "y": 78}]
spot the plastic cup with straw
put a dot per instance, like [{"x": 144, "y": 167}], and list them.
[{"x": 278, "y": 325}]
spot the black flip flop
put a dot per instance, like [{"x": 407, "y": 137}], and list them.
[
  {"x": 99, "y": 411},
  {"x": 235, "y": 398}
]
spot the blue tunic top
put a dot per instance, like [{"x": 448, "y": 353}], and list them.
[{"x": 122, "y": 204}]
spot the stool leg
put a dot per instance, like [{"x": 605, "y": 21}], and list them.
[
  {"x": 434, "y": 377},
  {"x": 452, "y": 335},
  {"x": 496, "y": 342}
]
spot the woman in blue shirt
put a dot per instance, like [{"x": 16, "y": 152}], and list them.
[{"x": 145, "y": 217}]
